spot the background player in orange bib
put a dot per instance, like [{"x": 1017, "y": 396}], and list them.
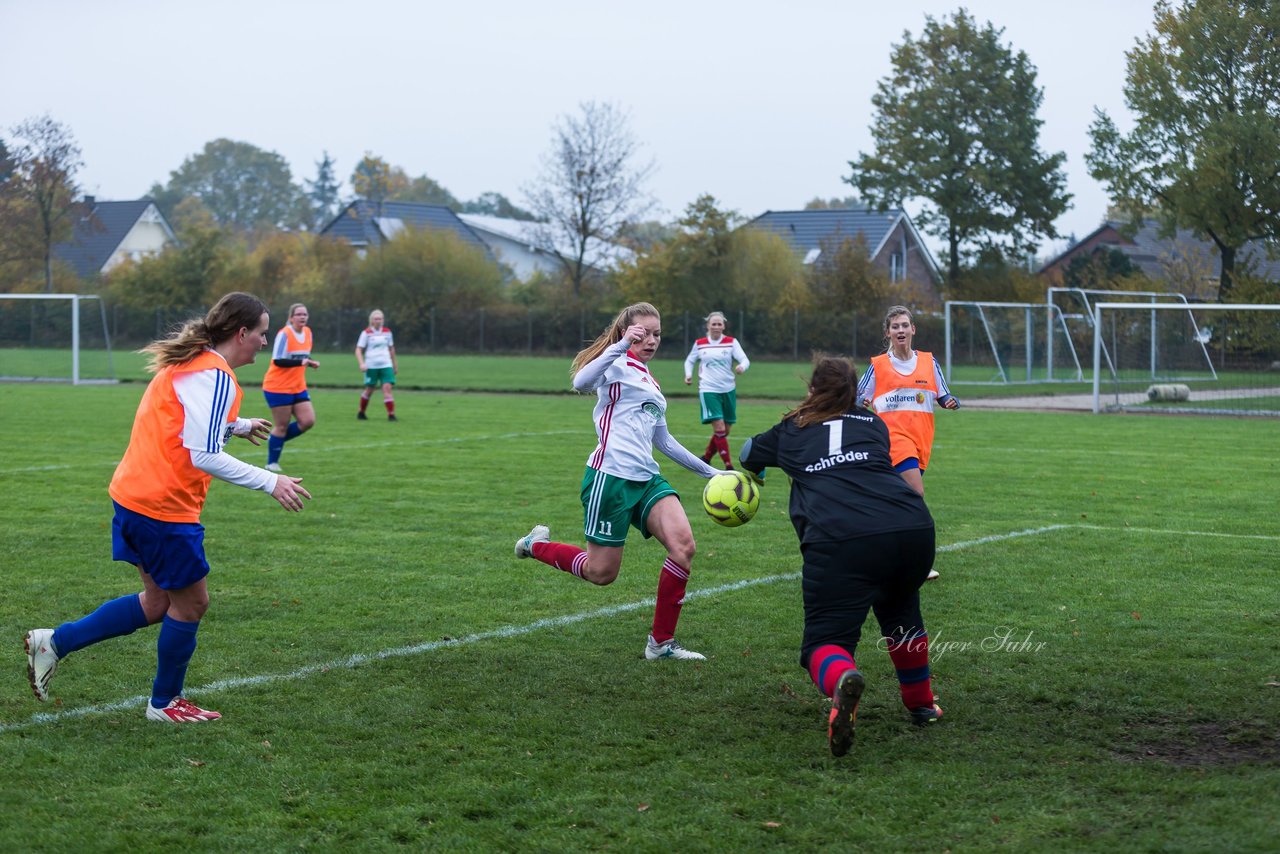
[
  {"x": 902, "y": 385},
  {"x": 187, "y": 414},
  {"x": 285, "y": 385}
]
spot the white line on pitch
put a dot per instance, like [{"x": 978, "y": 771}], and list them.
[
  {"x": 1269, "y": 537},
  {"x": 503, "y": 633}
]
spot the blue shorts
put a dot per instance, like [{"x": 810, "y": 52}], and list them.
[
  {"x": 907, "y": 465},
  {"x": 275, "y": 398},
  {"x": 172, "y": 553}
]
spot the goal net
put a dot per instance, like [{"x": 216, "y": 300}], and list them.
[
  {"x": 1207, "y": 358},
  {"x": 1008, "y": 342},
  {"x": 54, "y": 338}
]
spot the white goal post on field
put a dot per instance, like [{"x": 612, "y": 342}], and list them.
[
  {"x": 77, "y": 374},
  {"x": 1005, "y": 325},
  {"x": 1147, "y": 357}
]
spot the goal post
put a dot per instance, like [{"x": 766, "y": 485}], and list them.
[
  {"x": 31, "y": 342},
  {"x": 1003, "y": 342},
  {"x": 1207, "y": 358}
]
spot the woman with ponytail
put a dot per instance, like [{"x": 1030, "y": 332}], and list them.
[
  {"x": 622, "y": 487},
  {"x": 188, "y": 413},
  {"x": 866, "y": 538}
]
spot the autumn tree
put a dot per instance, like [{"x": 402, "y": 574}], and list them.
[
  {"x": 956, "y": 125},
  {"x": 377, "y": 181},
  {"x": 41, "y": 191},
  {"x": 591, "y": 186},
  {"x": 242, "y": 186},
  {"x": 1204, "y": 152}
]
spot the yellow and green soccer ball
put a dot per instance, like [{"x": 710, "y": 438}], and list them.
[{"x": 731, "y": 499}]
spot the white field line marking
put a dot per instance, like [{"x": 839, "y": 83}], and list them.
[
  {"x": 452, "y": 440},
  {"x": 358, "y": 659},
  {"x": 1268, "y": 537}
]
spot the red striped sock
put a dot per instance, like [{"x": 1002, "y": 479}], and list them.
[
  {"x": 562, "y": 556},
  {"x": 911, "y": 659},
  {"x": 721, "y": 441},
  {"x": 711, "y": 449},
  {"x": 672, "y": 582},
  {"x": 364, "y": 401},
  {"x": 827, "y": 664},
  {"x": 390, "y": 404}
]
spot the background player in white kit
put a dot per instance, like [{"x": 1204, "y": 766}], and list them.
[
  {"x": 376, "y": 355},
  {"x": 717, "y": 383},
  {"x": 622, "y": 486}
]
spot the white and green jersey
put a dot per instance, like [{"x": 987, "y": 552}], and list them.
[
  {"x": 377, "y": 344},
  {"x": 629, "y": 408},
  {"x": 717, "y": 357}
]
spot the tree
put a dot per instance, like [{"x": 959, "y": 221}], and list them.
[
  {"x": 818, "y": 203},
  {"x": 323, "y": 193},
  {"x": 590, "y": 188},
  {"x": 243, "y": 186},
  {"x": 1204, "y": 152},
  {"x": 42, "y": 188},
  {"x": 376, "y": 181},
  {"x": 956, "y": 125},
  {"x": 427, "y": 191},
  {"x": 496, "y": 204}
]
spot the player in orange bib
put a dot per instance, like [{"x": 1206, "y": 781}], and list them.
[
  {"x": 188, "y": 413},
  {"x": 902, "y": 385},
  {"x": 285, "y": 384}
]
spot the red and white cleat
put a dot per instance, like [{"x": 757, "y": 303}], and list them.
[{"x": 180, "y": 711}]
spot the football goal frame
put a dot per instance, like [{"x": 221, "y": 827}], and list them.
[
  {"x": 1030, "y": 309},
  {"x": 1082, "y": 294},
  {"x": 1224, "y": 398},
  {"x": 74, "y": 300}
]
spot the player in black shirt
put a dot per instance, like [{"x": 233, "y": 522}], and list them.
[{"x": 866, "y": 537}]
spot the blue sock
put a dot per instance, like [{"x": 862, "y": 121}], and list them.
[
  {"x": 173, "y": 653},
  {"x": 294, "y": 430},
  {"x": 275, "y": 444},
  {"x": 118, "y": 617}
]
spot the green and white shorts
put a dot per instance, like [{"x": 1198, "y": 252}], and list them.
[
  {"x": 719, "y": 406},
  {"x": 610, "y": 504}
]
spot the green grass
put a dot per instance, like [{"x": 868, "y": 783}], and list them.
[{"x": 387, "y": 685}]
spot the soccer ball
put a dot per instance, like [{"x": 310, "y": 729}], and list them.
[{"x": 731, "y": 499}]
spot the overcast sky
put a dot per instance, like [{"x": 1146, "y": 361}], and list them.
[{"x": 760, "y": 104}]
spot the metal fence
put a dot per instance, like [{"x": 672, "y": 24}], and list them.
[{"x": 505, "y": 330}]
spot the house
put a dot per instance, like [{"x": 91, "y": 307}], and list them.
[
  {"x": 364, "y": 223},
  {"x": 1183, "y": 261},
  {"x": 521, "y": 245},
  {"x": 105, "y": 234},
  {"x": 893, "y": 243}
]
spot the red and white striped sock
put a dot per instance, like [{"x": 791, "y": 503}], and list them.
[
  {"x": 390, "y": 403},
  {"x": 721, "y": 441},
  {"x": 562, "y": 556},
  {"x": 672, "y": 581},
  {"x": 364, "y": 400}
]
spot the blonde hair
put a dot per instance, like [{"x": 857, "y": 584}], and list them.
[
  {"x": 832, "y": 388},
  {"x": 372, "y": 313},
  {"x": 229, "y": 315},
  {"x": 613, "y": 334},
  {"x": 292, "y": 309},
  {"x": 719, "y": 314}
]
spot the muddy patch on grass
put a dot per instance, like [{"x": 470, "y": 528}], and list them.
[{"x": 1196, "y": 744}]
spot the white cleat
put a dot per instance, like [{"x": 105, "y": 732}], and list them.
[
  {"x": 42, "y": 661},
  {"x": 933, "y": 574},
  {"x": 274, "y": 467},
  {"x": 524, "y": 545},
  {"x": 670, "y": 649}
]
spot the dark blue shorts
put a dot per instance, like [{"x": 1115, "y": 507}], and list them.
[
  {"x": 275, "y": 399},
  {"x": 172, "y": 553}
]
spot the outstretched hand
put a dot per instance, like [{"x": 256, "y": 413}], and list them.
[
  {"x": 259, "y": 429},
  {"x": 289, "y": 492}
]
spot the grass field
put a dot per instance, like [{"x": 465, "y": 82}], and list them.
[{"x": 1106, "y": 646}]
